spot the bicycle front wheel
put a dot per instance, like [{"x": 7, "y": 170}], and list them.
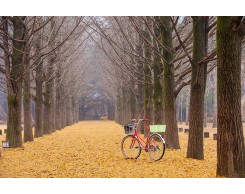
[
  {"x": 130, "y": 147},
  {"x": 156, "y": 147}
]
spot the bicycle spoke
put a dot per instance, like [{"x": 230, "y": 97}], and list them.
[
  {"x": 130, "y": 147},
  {"x": 156, "y": 147}
]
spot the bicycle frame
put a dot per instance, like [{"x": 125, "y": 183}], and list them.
[{"x": 143, "y": 144}]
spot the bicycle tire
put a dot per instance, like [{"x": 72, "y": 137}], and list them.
[
  {"x": 156, "y": 147},
  {"x": 133, "y": 152}
]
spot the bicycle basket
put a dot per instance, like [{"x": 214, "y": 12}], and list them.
[
  {"x": 157, "y": 128},
  {"x": 128, "y": 128}
]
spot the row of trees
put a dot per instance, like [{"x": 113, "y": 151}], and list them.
[
  {"x": 143, "y": 63},
  {"x": 150, "y": 60},
  {"x": 41, "y": 63}
]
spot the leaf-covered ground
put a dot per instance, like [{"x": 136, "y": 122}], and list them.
[{"x": 92, "y": 149}]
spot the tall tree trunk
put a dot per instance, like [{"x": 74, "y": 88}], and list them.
[
  {"x": 230, "y": 142},
  {"x": 82, "y": 112},
  {"x": 111, "y": 110},
  {"x": 63, "y": 111},
  {"x": 157, "y": 90},
  {"x": 28, "y": 133},
  {"x": 171, "y": 134},
  {"x": 58, "y": 124},
  {"x": 47, "y": 119},
  {"x": 198, "y": 84},
  {"x": 39, "y": 95},
  {"x": 47, "y": 116},
  {"x": 73, "y": 110},
  {"x": 53, "y": 109},
  {"x": 77, "y": 112},
  {"x": 39, "y": 103},
  {"x": 126, "y": 105},
  {"x": 148, "y": 90},
  {"x": 215, "y": 100},
  {"x": 49, "y": 91},
  {"x": 187, "y": 114},
  {"x": 140, "y": 85},
  {"x": 14, "y": 78},
  {"x": 148, "y": 105},
  {"x": 119, "y": 110},
  {"x": 63, "y": 107},
  {"x": 177, "y": 110},
  {"x": 205, "y": 113},
  {"x": 68, "y": 111},
  {"x": 181, "y": 109},
  {"x": 132, "y": 103},
  {"x": 47, "y": 112}
]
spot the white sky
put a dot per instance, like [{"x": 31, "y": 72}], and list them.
[{"x": 122, "y": 7}]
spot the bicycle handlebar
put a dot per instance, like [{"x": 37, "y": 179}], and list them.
[
  {"x": 146, "y": 120},
  {"x": 135, "y": 123}
]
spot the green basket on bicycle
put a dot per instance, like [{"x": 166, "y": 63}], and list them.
[{"x": 157, "y": 128}]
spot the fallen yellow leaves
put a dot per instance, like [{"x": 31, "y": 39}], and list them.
[{"x": 92, "y": 149}]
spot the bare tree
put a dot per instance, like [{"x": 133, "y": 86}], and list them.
[{"x": 230, "y": 147}]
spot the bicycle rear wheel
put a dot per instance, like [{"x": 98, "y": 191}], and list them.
[
  {"x": 156, "y": 147},
  {"x": 130, "y": 147}
]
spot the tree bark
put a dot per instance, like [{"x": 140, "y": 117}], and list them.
[
  {"x": 39, "y": 94},
  {"x": 148, "y": 89},
  {"x": 58, "y": 121},
  {"x": 140, "y": 86},
  {"x": 39, "y": 104},
  {"x": 215, "y": 101},
  {"x": 126, "y": 105},
  {"x": 187, "y": 113},
  {"x": 68, "y": 111},
  {"x": 111, "y": 110},
  {"x": 49, "y": 91},
  {"x": 157, "y": 88},
  {"x": 14, "y": 78},
  {"x": 205, "y": 122},
  {"x": 48, "y": 95},
  {"x": 132, "y": 103},
  {"x": 53, "y": 109},
  {"x": 118, "y": 109},
  {"x": 181, "y": 110},
  {"x": 28, "y": 133},
  {"x": 171, "y": 134},
  {"x": 73, "y": 110},
  {"x": 63, "y": 111},
  {"x": 47, "y": 112},
  {"x": 148, "y": 104},
  {"x": 230, "y": 142},
  {"x": 198, "y": 84}
]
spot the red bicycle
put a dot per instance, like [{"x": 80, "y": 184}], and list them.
[{"x": 132, "y": 144}]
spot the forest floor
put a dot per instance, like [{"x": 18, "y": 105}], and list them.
[{"x": 92, "y": 149}]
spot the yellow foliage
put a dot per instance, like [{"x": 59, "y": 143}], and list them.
[
  {"x": 104, "y": 118},
  {"x": 92, "y": 149}
]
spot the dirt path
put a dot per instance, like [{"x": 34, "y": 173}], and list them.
[{"x": 92, "y": 149}]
